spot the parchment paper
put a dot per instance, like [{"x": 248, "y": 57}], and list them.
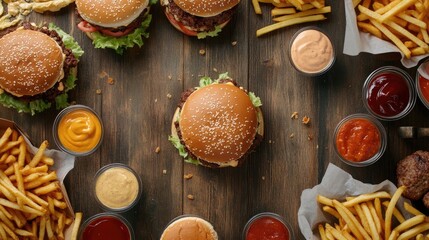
[
  {"x": 338, "y": 184},
  {"x": 356, "y": 41}
]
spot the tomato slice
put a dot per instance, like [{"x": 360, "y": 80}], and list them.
[
  {"x": 179, "y": 25},
  {"x": 86, "y": 27}
]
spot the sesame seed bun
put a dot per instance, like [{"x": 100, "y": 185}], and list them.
[
  {"x": 218, "y": 124},
  {"x": 189, "y": 228},
  {"x": 31, "y": 62},
  {"x": 110, "y": 13},
  {"x": 206, "y": 8}
]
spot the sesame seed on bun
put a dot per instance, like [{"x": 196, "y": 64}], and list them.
[
  {"x": 43, "y": 59},
  {"x": 189, "y": 228},
  {"x": 110, "y": 13},
  {"x": 206, "y": 8}
]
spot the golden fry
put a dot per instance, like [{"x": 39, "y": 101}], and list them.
[
  {"x": 287, "y": 23},
  {"x": 389, "y": 211},
  {"x": 38, "y": 156},
  {"x": 75, "y": 230},
  {"x": 323, "y": 10}
]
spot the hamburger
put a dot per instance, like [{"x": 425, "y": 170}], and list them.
[
  {"x": 217, "y": 124},
  {"x": 199, "y": 18},
  {"x": 38, "y": 67},
  {"x": 115, "y": 24},
  {"x": 189, "y": 228}
]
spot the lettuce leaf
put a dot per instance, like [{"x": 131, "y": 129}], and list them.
[
  {"x": 119, "y": 44},
  {"x": 182, "y": 152},
  {"x": 256, "y": 101},
  {"x": 214, "y": 33},
  {"x": 68, "y": 41}
]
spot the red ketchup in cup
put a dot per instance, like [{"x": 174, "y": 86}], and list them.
[{"x": 267, "y": 226}]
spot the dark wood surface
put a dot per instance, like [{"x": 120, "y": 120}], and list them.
[{"x": 137, "y": 115}]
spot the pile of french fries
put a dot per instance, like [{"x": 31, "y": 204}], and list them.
[
  {"x": 403, "y": 22},
  {"x": 32, "y": 205},
  {"x": 372, "y": 216},
  {"x": 290, "y": 12}
]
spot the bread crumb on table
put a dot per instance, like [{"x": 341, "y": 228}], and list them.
[
  {"x": 98, "y": 91},
  {"x": 234, "y": 43},
  {"x": 188, "y": 176},
  {"x": 169, "y": 96},
  {"x": 202, "y": 52},
  {"x": 157, "y": 149},
  {"x": 294, "y": 115},
  {"x": 164, "y": 171},
  {"x": 306, "y": 120},
  {"x": 191, "y": 197}
]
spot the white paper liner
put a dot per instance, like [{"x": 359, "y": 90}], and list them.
[
  {"x": 356, "y": 41},
  {"x": 338, "y": 184}
]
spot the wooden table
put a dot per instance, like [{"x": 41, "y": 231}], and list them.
[{"x": 137, "y": 111}]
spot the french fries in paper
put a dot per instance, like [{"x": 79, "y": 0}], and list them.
[
  {"x": 402, "y": 22},
  {"x": 32, "y": 200},
  {"x": 291, "y": 12}
]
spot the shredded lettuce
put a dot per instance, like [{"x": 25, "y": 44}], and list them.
[
  {"x": 119, "y": 44},
  {"x": 41, "y": 105},
  {"x": 68, "y": 41},
  {"x": 214, "y": 33},
  {"x": 182, "y": 152},
  {"x": 205, "y": 81}
]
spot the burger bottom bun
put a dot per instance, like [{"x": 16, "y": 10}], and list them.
[
  {"x": 189, "y": 228},
  {"x": 187, "y": 31},
  {"x": 259, "y": 130}
]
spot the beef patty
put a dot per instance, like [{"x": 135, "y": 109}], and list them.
[{"x": 413, "y": 172}]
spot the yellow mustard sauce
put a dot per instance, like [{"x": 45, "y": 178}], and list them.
[
  {"x": 79, "y": 130},
  {"x": 117, "y": 187}
]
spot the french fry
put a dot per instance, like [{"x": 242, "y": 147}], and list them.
[
  {"x": 75, "y": 230},
  {"x": 389, "y": 211},
  {"x": 414, "y": 231},
  {"x": 256, "y": 7},
  {"x": 410, "y": 223},
  {"x": 366, "y": 197},
  {"x": 371, "y": 222},
  {"x": 349, "y": 219},
  {"x": 51, "y": 187},
  {"x": 370, "y": 28},
  {"x": 323, "y": 10},
  {"x": 275, "y": 26},
  {"x": 5, "y": 137},
  {"x": 409, "y": 208},
  {"x": 282, "y": 11},
  {"x": 392, "y": 37},
  {"x": 2, "y": 232},
  {"x": 396, "y": 9},
  {"x": 38, "y": 156},
  {"x": 9, "y": 231}
]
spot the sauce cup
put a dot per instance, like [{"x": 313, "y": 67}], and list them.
[
  {"x": 388, "y": 93},
  {"x": 422, "y": 86},
  {"x": 267, "y": 225},
  {"x": 360, "y": 140},
  {"x": 106, "y": 226},
  {"x": 311, "y": 51},
  {"x": 117, "y": 187},
  {"x": 189, "y": 226},
  {"x": 78, "y": 130}
]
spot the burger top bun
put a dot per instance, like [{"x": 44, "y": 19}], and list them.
[
  {"x": 206, "y": 8},
  {"x": 218, "y": 123},
  {"x": 31, "y": 62},
  {"x": 110, "y": 13},
  {"x": 190, "y": 228}
]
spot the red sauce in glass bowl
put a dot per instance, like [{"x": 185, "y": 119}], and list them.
[
  {"x": 106, "y": 228},
  {"x": 424, "y": 87},
  {"x": 267, "y": 228},
  {"x": 358, "y": 140},
  {"x": 388, "y": 94}
]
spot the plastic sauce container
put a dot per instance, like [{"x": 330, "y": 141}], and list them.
[
  {"x": 267, "y": 226},
  {"x": 117, "y": 187},
  {"x": 360, "y": 140},
  {"x": 106, "y": 226},
  {"x": 311, "y": 52},
  {"x": 78, "y": 130},
  {"x": 422, "y": 85},
  {"x": 189, "y": 227},
  {"x": 388, "y": 93}
]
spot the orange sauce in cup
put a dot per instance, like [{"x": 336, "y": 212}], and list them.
[
  {"x": 358, "y": 140},
  {"x": 79, "y": 130}
]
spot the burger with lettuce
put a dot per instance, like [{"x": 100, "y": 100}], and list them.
[
  {"x": 217, "y": 124},
  {"x": 200, "y": 18},
  {"x": 38, "y": 67},
  {"x": 115, "y": 24}
]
